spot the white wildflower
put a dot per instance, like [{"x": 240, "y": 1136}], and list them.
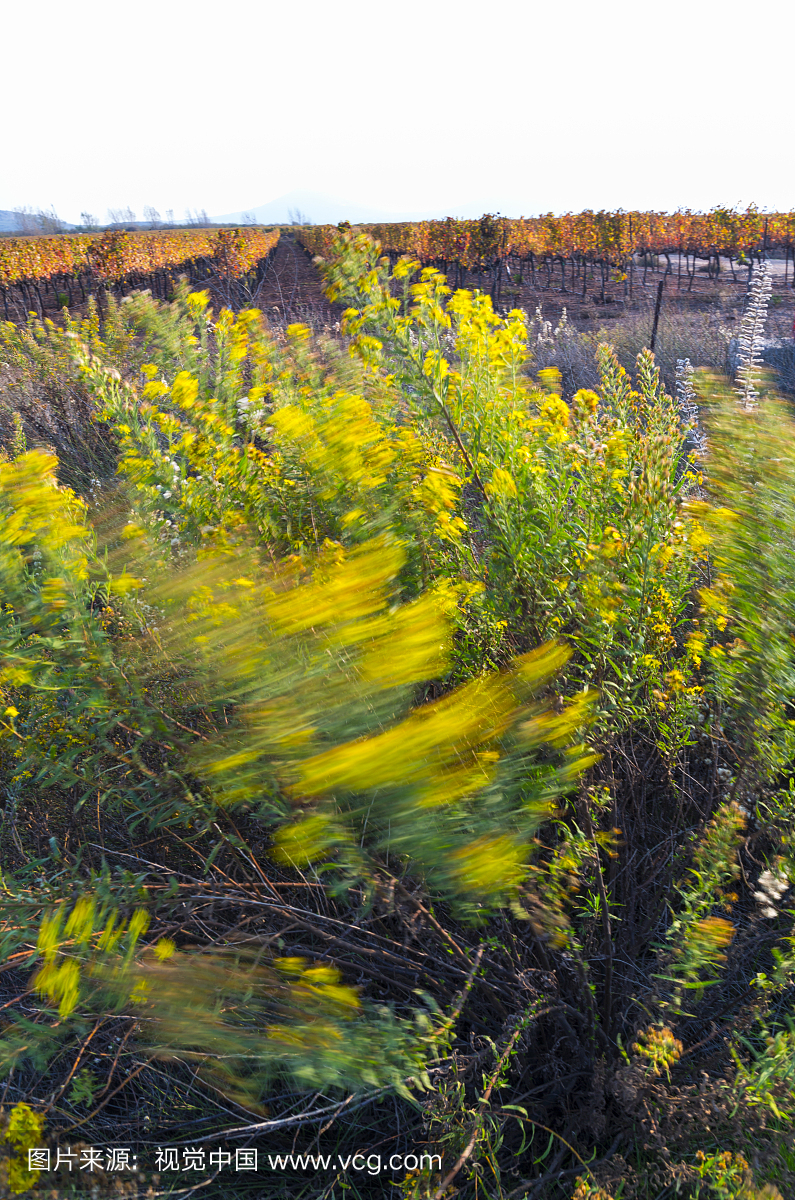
[
  {"x": 749, "y": 342},
  {"x": 688, "y": 408}
]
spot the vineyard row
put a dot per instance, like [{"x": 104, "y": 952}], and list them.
[
  {"x": 612, "y": 238},
  {"x": 35, "y": 271}
]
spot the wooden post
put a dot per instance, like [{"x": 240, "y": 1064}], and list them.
[{"x": 660, "y": 287}]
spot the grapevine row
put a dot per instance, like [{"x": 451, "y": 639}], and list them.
[
  {"x": 41, "y": 273},
  {"x": 600, "y": 237},
  {"x": 116, "y": 255}
]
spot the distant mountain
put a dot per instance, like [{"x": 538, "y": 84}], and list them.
[{"x": 319, "y": 209}]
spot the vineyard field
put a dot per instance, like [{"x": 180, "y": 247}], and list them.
[
  {"x": 612, "y": 254},
  {"x": 610, "y": 237}
]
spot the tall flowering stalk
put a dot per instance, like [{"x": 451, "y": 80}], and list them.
[
  {"x": 688, "y": 408},
  {"x": 750, "y": 340}
]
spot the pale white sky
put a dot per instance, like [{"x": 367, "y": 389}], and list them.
[{"x": 412, "y": 104}]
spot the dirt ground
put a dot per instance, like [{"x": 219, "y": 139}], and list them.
[{"x": 292, "y": 288}]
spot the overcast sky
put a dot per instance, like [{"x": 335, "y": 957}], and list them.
[{"x": 413, "y": 104}]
